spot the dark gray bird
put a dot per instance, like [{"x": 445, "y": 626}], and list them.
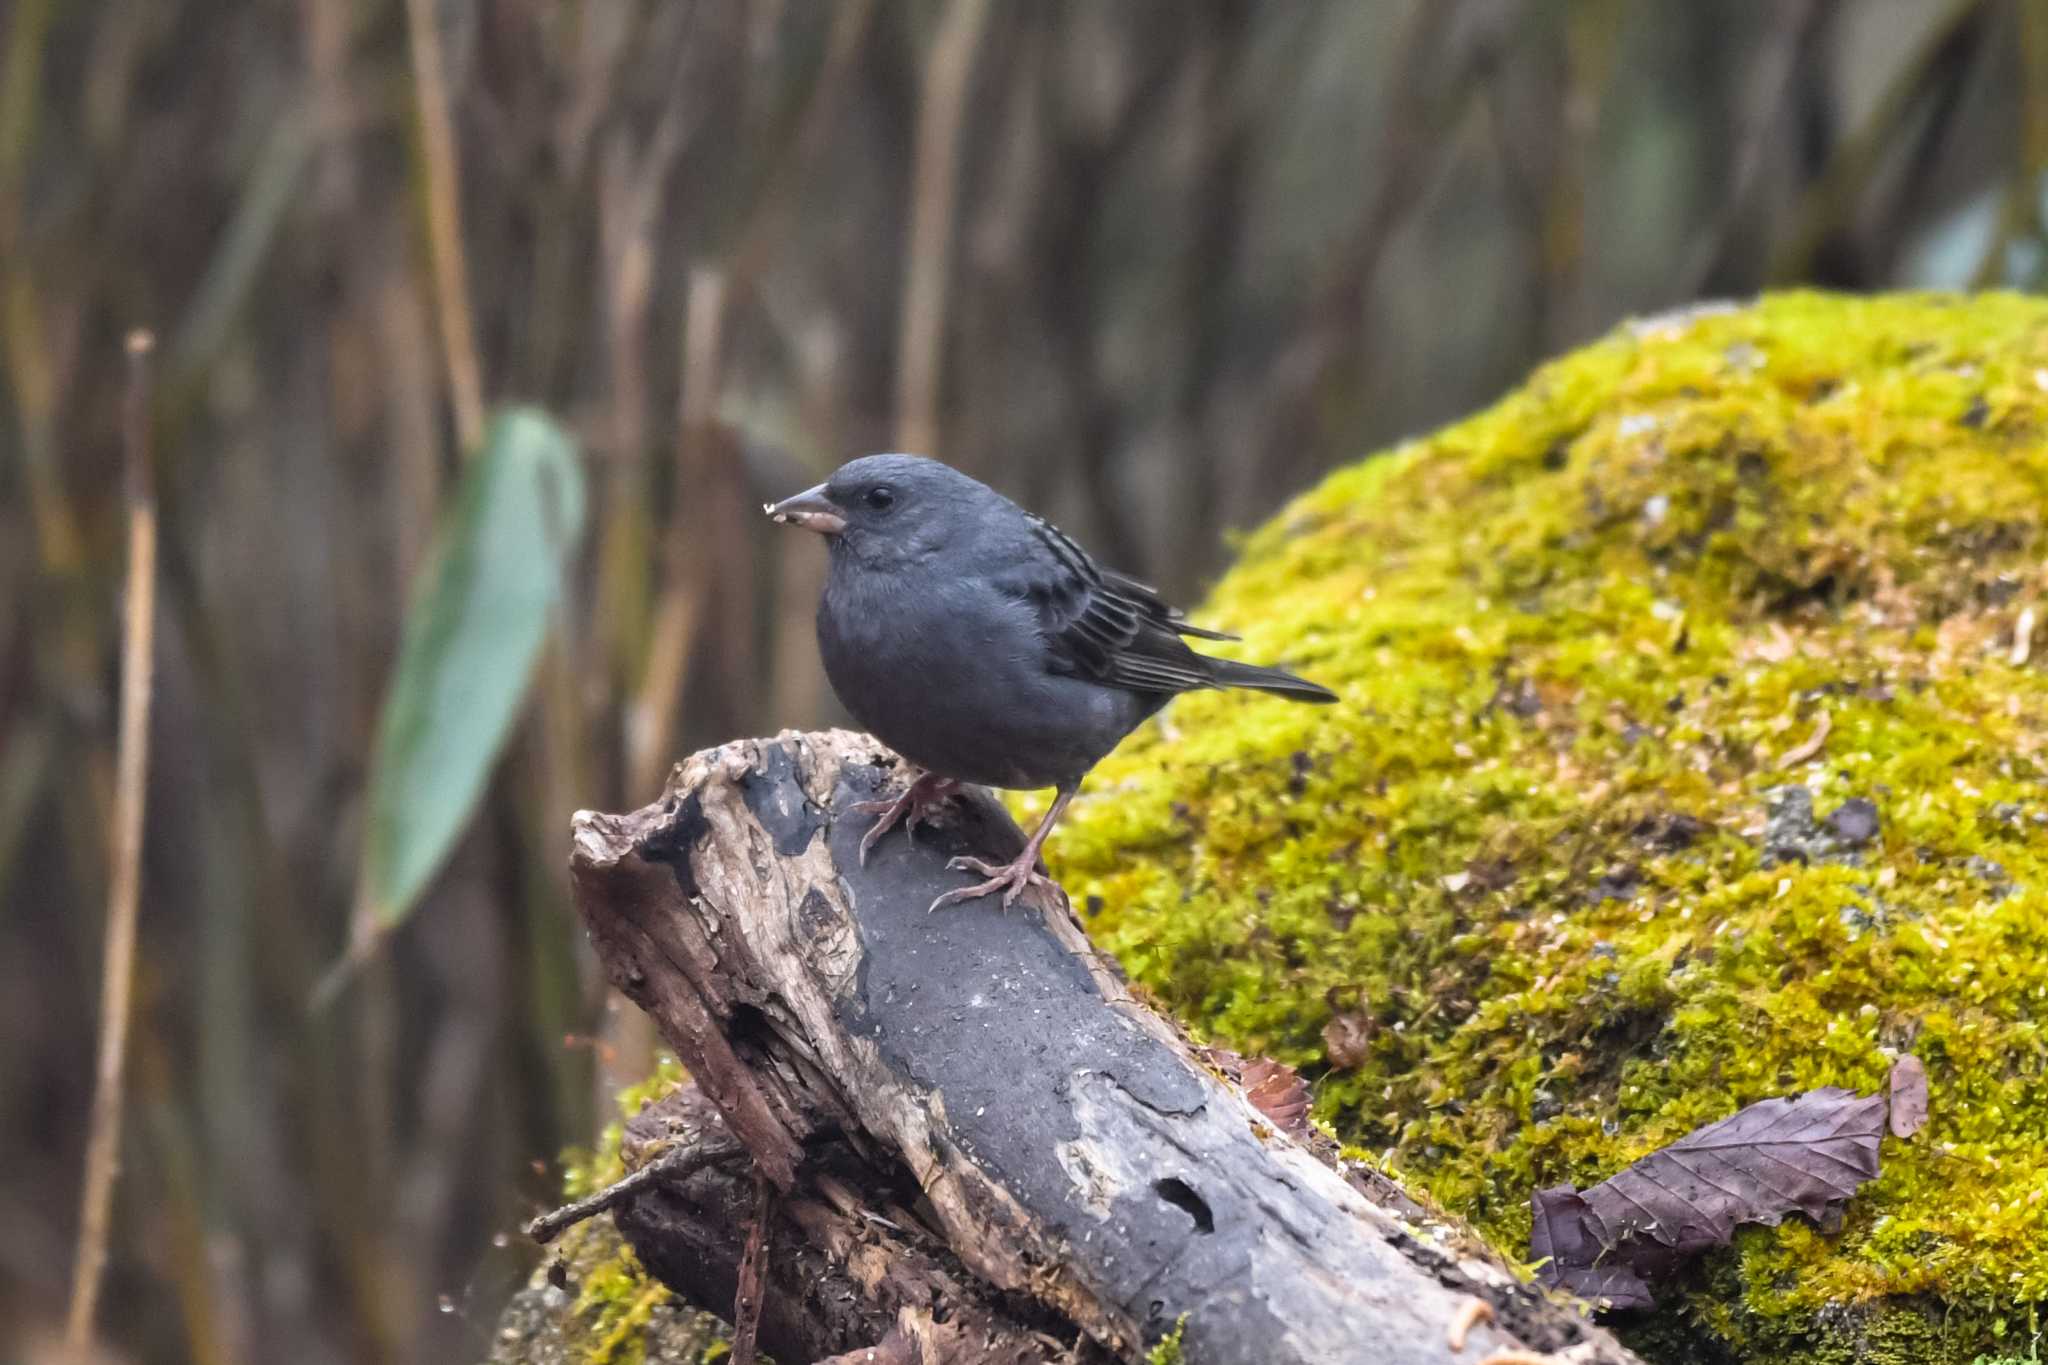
[{"x": 983, "y": 645}]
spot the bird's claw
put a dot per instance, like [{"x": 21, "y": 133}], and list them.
[
  {"x": 911, "y": 809},
  {"x": 1009, "y": 878}
]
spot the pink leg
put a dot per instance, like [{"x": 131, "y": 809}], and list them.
[
  {"x": 1012, "y": 877},
  {"x": 916, "y": 805}
]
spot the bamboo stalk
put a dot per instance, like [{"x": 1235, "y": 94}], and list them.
[
  {"x": 102, "y": 1153},
  {"x": 444, "y": 226},
  {"x": 1855, "y": 160},
  {"x": 937, "y": 171},
  {"x": 687, "y": 564},
  {"x": 652, "y": 716}
]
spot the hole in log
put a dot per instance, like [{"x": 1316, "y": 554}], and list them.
[
  {"x": 749, "y": 1025},
  {"x": 1182, "y": 1196}
]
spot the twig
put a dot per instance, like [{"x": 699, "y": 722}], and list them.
[
  {"x": 897, "y": 1348},
  {"x": 1799, "y": 753},
  {"x": 931, "y": 225},
  {"x": 1475, "y": 1311},
  {"x": 138, "y": 631},
  {"x": 746, "y": 1304},
  {"x": 672, "y": 1166},
  {"x": 444, "y": 225}
]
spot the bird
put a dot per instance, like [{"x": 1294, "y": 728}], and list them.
[{"x": 985, "y": 646}]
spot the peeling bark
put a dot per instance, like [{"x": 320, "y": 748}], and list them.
[
  {"x": 835, "y": 1280},
  {"x": 973, "y": 1100}
]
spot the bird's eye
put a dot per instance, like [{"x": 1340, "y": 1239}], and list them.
[{"x": 881, "y": 497}]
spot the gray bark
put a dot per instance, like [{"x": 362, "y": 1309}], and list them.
[{"x": 984, "y": 1083}]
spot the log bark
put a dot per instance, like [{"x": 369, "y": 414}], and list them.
[
  {"x": 841, "y": 1277},
  {"x": 969, "y": 1120}
]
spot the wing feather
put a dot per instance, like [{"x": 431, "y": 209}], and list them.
[{"x": 1107, "y": 627}]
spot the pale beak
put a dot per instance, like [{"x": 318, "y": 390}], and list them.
[{"x": 810, "y": 509}]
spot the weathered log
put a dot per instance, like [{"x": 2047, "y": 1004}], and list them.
[
  {"x": 987, "y": 1086},
  {"x": 838, "y": 1279}
]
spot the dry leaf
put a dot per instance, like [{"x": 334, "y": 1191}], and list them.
[
  {"x": 1275, "y": 1089},
  {"x": 1909, "y": 1096},
  {"x": 1805, "y": 1154},
  {"x": 1562, "y": 1238},
  {"x": 1347, "y": 1039},
  {"x": 1278, "y": 1091}
]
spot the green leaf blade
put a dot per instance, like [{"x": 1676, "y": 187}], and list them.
[{"x": 473, "y": 634}]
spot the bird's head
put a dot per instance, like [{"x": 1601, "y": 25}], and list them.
[{"x": 888, "y": 508}]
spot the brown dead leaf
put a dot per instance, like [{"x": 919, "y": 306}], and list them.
[
  {"x": 1275, "y": 1089},
  {"x": 1805, "y": 1154},
  {"x": 1908, "y": 1097},
  {"x": 1347, "y": 1039},
  {"x": 1562, "y": 1238},
  {"x": 1278, "y": 1091}
]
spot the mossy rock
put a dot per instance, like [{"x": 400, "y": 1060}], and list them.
[
  {"x": 591, "y": 1302},
  {"x": 1581, "y": 861}
]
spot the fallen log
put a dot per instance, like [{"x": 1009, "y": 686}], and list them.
[
  {"x": 838, "y": 1276},
  {"x": 974, "y": 1101}
]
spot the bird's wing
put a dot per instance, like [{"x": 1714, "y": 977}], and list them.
[
  {"x": 1148, "y": 597},
  {"x": 1103, "y": 626}
]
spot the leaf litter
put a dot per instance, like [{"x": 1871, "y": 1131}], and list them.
[{"x": 1805, "y": 1153}]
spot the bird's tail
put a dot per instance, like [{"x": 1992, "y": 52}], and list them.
[{"x": 1231, "y": 673}]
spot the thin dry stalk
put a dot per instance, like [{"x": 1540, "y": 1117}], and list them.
[
  {"x": 767, "y": 223},
  {"x": 138, "y": 630},
  {"x": 444, "y": 225},
  {"x": 405, "y": 333},
  {"x": 678, "y": 618},
  {"x": 1830, "y": 201},
  {"x": 937, "y": 170},
  {"x": 653, "y": 716}
]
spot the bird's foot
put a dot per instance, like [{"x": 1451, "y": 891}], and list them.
[
  {"x": 1010, "y": 878},
  {"x": 916, "y": 806}
]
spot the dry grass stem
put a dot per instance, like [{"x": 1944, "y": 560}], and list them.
[
  {"x": 138, "y": 630},
  {"x": 444, "y": 226},
  {"x": 929, "y": 259}
]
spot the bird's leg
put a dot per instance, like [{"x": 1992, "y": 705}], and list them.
[
  {"x": 917, "y": 803},
  {"x": 1012, "y": 877}
]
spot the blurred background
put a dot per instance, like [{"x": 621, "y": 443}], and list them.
[{"x": 1147, "y": 265}]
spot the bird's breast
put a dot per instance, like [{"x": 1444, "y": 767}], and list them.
[{"x": 953, "y": 675}]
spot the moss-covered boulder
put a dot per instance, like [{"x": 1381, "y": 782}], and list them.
[
  {"x": 1691, "y": 752},
  {"x": 591, "y": 1302}
]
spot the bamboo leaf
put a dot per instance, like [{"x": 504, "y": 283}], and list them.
[{"x": 471, "y": 638}]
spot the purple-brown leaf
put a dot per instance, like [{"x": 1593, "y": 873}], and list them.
[
  {"x": 1909, "y": 1096},
  {"x": 1805, "y": 1154},
  {"x": 1777, "y": 1156},
  {"x": 1562, "y": 1239}
]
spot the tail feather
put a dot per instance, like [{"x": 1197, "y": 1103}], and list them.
[{"x": 1231, "y": 673}]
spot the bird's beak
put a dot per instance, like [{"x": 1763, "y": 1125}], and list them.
[{"x": 810, "y": 509}]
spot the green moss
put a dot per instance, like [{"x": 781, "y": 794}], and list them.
[
  {"x": 1581, "y": 639},
  {"x": 1168, "y": 1349},
  {"x": 612, "y": 1316}
]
